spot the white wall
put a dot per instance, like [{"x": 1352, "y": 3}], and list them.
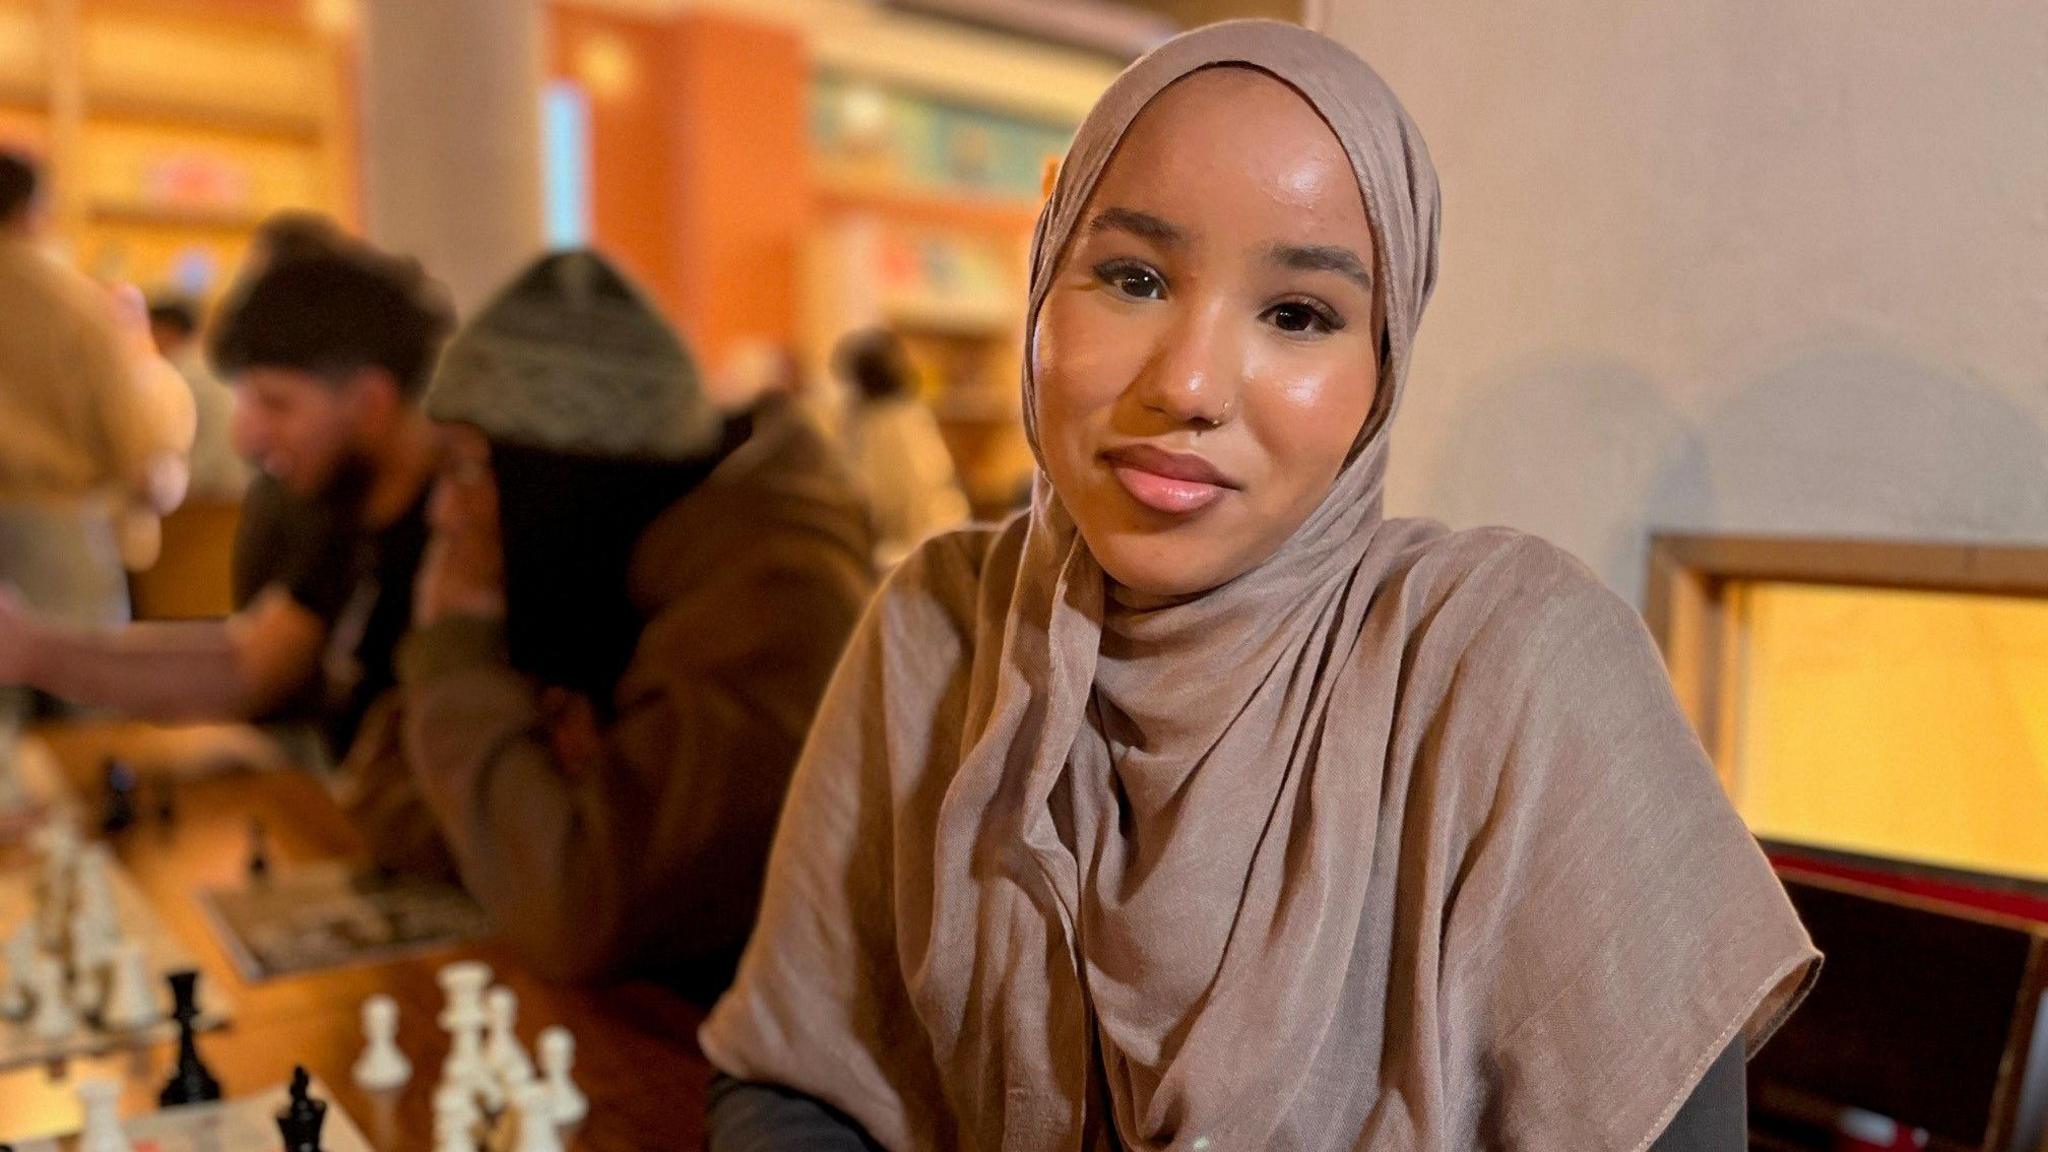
[{"x": 1745, "y": 266}]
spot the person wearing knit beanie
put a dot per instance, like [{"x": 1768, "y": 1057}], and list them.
[{"x": 630, "y": 605}]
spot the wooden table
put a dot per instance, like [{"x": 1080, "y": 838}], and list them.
[{"x": 636, "y": 1051}]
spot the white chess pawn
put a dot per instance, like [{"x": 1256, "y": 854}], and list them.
[
  {"x": 453, "y": 1137},
  {"x": 382, "y": 1066},
  {"x": 131, "y": 1002},
  {"x": 537, "y": 1131},
  {"x": 92, "y": 894},
  {"x": 12, "y": 795},
  {"x": 455, "y": 1119},
  {"x": 101, "y": 1132},
  {"x": 92, "y": 879},
  {"x": 557, "y": 1056},
  {"x": 501, "y": 1049},
  {"x": 21, "y": 963},
  {"x": 52, "y": 1019},
  {"x": 59, "y": 846},
  {"x": 454, "y": 1101},
  {"x": 89, "y": 956}
]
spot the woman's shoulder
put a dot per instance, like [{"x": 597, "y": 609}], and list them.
[
  {"x": 942, "y": 586},
  {"x": 1507, "y": 586}
]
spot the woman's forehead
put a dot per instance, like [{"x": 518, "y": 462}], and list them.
[{"x": 1221, "y": 140}]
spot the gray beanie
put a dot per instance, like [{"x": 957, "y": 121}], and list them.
[{"x": 571, "y": 358}]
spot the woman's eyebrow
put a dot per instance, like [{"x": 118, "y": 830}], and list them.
[
  {"x": 1143, "y": 225},
  {"x": 1323, "y": 258}
]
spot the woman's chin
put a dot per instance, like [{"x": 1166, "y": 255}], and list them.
[{"x": 1152, "y": 566}]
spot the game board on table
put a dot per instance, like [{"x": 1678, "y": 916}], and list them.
[
  {"x": 246, "y": 1124},
  {"x": 75, "y": 919},
  {"x": 327, "y": 915}
]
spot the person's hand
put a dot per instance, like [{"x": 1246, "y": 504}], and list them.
[
  {"x": 463, "y": 572},
  {"x": 20, "y": 635}
]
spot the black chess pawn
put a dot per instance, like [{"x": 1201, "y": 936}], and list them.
[
  {"x": 119, "y": 811},
  {"x": 259, "y": 852},
  {"x": 302, "y": 1118},
  {"x": 191, "y": 1082},
  {"x": 166, "y": 799}
]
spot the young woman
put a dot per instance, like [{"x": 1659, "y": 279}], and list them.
[{"x": 1202, "y": 807}]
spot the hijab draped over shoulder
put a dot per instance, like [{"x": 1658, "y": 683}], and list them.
[{"x": 1397, "y": 841}]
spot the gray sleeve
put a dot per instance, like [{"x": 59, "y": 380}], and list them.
[
  {"x": 1716, "y": 1117},
  {"x": 747, "y": 1117}
]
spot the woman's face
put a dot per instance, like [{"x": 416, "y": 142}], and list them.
[{"x": 1208, "y": 351}]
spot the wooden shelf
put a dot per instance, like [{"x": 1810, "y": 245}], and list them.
[
  {"x": 295, "y": 127},
  {"x": 966, "y": 210},
  {"x": 211, "y": 219},
  {"x": 950, "y": 317}
]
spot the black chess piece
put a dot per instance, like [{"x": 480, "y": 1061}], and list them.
[
  {"x": 121, "y": 783},
  {"x": 191, "y": 1082},
  {"x": 259, "y": 851},
  {"x": 302, "y": 1118},
  {"x": 166, "y": 799}
]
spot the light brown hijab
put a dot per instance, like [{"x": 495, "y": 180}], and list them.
[{"x": 1397, "y": 841}]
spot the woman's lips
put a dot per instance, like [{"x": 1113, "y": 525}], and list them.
[{"x": 1172, "y": 482}]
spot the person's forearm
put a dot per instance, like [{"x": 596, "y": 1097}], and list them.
[
  {"x": 158, "y": 671},
  {"x": 744, "y": 1117},
  {"x": 539, "y": 851}
]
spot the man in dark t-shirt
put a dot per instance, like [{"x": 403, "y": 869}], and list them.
[
  {"x": 328, "y": 346},
  {"x": 356, "y": 580}
]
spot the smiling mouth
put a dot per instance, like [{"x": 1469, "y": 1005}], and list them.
[{"x": 1174, "y": 483}]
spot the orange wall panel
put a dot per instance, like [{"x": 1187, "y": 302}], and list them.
[
  {"x": 623, "y": 66},
  {"x": 699, "y": 164},
  {"x": 746, "y": 191}
]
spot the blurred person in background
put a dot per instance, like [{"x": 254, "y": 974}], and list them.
[
  {"x": 629, "y": 609},
  {"x": 899, "y": 458},
  {"x": 328, "y": 351},
  {"x": 218, "y": 473},
  {"x": 93, "y": 427}
]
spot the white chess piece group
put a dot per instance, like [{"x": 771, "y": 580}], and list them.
[
  {"x": 69, "y": 960},
  {"x": 487, "y": 1073}
]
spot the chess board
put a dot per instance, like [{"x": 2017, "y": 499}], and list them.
[
  {"x": 325, "y": 915},
  {"x": 246, "y": 1124},
  {"x": 138, "y": 923}
]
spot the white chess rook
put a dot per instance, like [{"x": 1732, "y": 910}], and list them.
[
  {"x": 464, "y": 981},
  {"x": 382, "y": 1066},
  {"x": 465, "y": 1067},
  {"x": 557, "y": 1055}
]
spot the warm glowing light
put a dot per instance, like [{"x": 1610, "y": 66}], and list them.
[
  {"x": 333, "y": 17},
  {"x": 864, "y": 114},
  {"x": 606, "y": 67}
]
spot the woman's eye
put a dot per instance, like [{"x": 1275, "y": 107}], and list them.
[
  {"x": 1300, "y": 318},
  {"x": 1133, "y": 280}
]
